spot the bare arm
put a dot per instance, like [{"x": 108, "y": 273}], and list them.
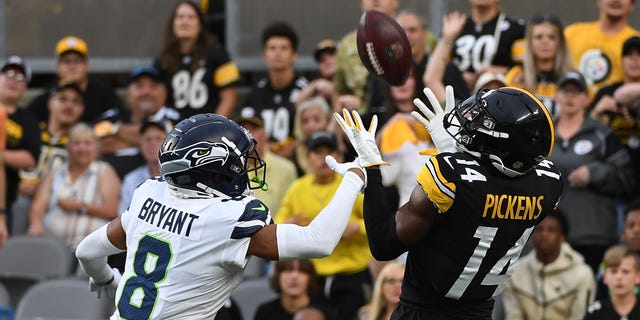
[
  {"x": 452, "y": 25},
  {"x": 19, "y": 159},
  {"x": 228, "y": 99},
  {"x": 109, "y": 189},
  {"x": 39, "y": 205},
  {"x": 628, "y": 94}
]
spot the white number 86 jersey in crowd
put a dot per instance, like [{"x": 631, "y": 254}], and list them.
[{"x": 184, "y": 256}]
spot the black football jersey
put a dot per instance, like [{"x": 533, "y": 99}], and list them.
[
  {"x": 276, "y": 107},
  {"x": 197, "y": 91},
  {"x": 484, "y": 220},
  {"x": 476, "y": 48}
]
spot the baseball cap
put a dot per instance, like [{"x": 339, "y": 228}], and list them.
[
  {"x": 630, "y": 44},
  {"x": 165, "y": 126},
  {"x": 574, "y": 77},
  {"x": 71, "y": 43},
  {"x": 62, "y": 85},
  {"x": 17, "y": 62},
  {"x": 326, "y": 45},
  {"x": 322, "y": 138},
  {"x": 145, "y": 71},
  {"x": 250, "y": 115},
  {"x": 489, "y": 77}
]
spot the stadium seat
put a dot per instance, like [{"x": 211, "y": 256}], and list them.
[
  {"x": 67, "y": 298},
  {"x": 4, "y": 296},
  {"x": 26, "y": 260},
  {"x": 251, "y": 293},
  {"x": 35, "y": 257}
]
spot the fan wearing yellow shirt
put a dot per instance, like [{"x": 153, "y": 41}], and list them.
[
  {"x": 596, "y": 46},
  {"x": 344, "y": 275}
]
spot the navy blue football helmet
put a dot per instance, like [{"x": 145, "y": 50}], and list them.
[
  {"x": 509, "y": 127},
  {"x": 209, "y": 155}
]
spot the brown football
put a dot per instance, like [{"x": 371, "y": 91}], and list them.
[{"x": 383, "y": 47}]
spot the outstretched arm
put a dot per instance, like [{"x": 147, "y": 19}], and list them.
[{"x": 319, "y": 238}]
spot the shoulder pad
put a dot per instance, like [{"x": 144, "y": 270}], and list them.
[{"x": 255, "y": 217}]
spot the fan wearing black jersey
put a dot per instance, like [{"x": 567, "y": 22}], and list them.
[{"x": 475, "y": 204}]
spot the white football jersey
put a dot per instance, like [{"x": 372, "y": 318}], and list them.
[{"x": 184, "y": 256}]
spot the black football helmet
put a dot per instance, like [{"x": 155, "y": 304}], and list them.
[
  {"x": 209, "y": 155},
  {"x": 509, "y": 127}
]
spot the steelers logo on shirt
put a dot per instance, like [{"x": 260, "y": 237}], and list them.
[{"x": 595, "y": 65}]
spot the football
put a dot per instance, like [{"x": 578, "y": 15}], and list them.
[{"x": 383, "y": 47}]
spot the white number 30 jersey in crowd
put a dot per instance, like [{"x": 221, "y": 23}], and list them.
[{"x": 184, "y": 256}]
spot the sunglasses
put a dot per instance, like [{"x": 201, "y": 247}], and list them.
[
  {"x": 540, "y": 18},
  {"x": 15, "y": 75}
]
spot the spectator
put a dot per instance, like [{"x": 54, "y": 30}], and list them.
[
  {"x": 631, "y": 234},
  {"x": 75, "y": 199},
  {"x": 618, "y": 104},
  {"x": 490, "y": 80},
  {"x": 274, "y": 96},
  {"x": 312, "y": 115},
  {"x": 146, "y": 97},
  {"x": 402, "y": 139},
  {"x": 295, "y": 283},
  {"x": 4, "y": 231},
  {"x": 630, "y": 238},
  {"x": 546, "y": 58},
  {"x": 65, "y": 109},
  {"x": 489, "y": 40},
  {"x": 595, "y": 46},
  {"x": 230, "y": 311},
  {"x": 152, "y": 134},
  {"x": 22, "y": 143},
  {"x": 72, "y": 65},
  {"x": 551, "y": 282},
  {"x": 200, "y": 75},
  {"x": 326, "y": 58},
  {"x": 446, "y": 72},
  {"x": 344, "y": 274},
  {"x": 595, "y": 169},
  {"x": 281, "y": 171},
  {"x": 386, "y": 293},
  {"x": 622, "y": 274}
]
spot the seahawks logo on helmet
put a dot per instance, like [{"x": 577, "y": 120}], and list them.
[
  {"x": 206, "y": 152},
  {"x": 196, "y": 155}
]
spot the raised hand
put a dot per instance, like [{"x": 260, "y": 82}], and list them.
[
  {"x": 363, "y": 141},
  {"x": 434, "y": 121}
]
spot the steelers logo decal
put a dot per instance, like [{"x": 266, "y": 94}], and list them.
[
  {"x": 595, "y": 65},
  {"x": 583, "y": 147}
]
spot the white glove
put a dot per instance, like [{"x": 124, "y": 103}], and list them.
[
  {"x": 108, "y": 288},
  {"x": 363, "y": 141},
  {"x": 441, "y": 138},
  {"x": 342, "y": 168}
]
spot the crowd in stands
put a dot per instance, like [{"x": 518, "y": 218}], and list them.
[{"x": 74, "y": 154}]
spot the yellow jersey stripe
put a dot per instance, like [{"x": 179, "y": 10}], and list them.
[
  {"x": 226, "y": 74},
  {"x": 440, "y": 191}
]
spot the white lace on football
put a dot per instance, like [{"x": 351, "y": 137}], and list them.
[{"x": 373, "y": 59}]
